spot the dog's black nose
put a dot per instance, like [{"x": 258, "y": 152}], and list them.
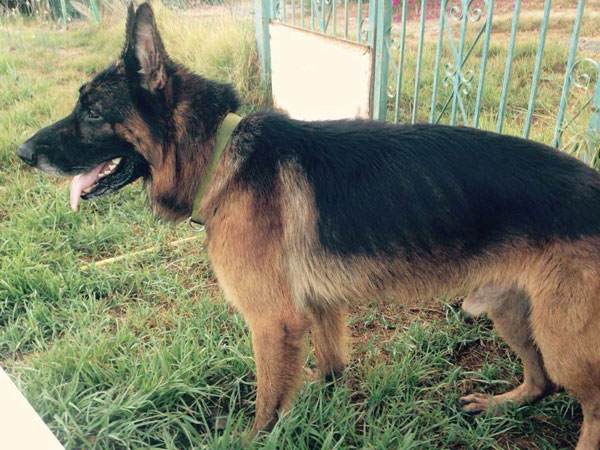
[{"x": 27, "y": 154}]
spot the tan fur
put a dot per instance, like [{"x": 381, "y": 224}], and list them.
[
  {"x": 330, "y": 339},
  {"x": 545, "y": 301},
  {"x": 178, "y": 184}
]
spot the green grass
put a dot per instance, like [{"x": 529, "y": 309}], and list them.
[{"x": 146, "y": 353}]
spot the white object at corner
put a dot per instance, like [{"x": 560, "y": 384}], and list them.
[{"x": 20, "y": 426}]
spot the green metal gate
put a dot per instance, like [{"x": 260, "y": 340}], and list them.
[{"x": 436, "y": 67}]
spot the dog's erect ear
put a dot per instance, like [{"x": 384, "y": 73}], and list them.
[
  {"x": 145, "y": 52},
  {"x": 129, "y": 29}
]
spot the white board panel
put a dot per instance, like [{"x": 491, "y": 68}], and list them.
[
  {"x": 317, "y": 77},
  {"x": 20, "y": 426}
]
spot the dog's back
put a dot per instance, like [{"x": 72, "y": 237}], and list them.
[{"x": 380, "y": 188}]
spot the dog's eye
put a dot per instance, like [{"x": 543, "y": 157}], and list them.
[{"x": 92, "y": 115}]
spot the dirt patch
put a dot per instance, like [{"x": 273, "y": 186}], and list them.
[
  {"x": 381, "y": 322},
  {"x": 472, "y": 355},
  {"x": 548, "y": 429}
]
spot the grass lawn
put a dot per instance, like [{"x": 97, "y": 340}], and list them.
[{"x": 146, "y": 353}]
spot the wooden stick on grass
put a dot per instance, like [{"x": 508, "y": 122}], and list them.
[{"x": 106, "y": 261}]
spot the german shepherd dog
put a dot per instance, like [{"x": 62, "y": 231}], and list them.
[{"x": 304, "y": 218}]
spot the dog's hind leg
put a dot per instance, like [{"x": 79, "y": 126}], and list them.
[
  {"x": 590, "y": 431},
  {"x": 508, "y": 308},
  {"x": 329, "y": 332},
  {"x": 565, "y": 318},
  {"x": 572, "y": 352}
]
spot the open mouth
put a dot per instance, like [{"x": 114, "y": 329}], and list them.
[{"x": 106, "y": 177}]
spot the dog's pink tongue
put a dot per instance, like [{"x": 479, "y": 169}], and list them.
[{"x": 81, "y": 182}]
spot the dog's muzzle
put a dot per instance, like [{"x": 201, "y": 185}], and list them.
[{"x": 27, "y": 153}]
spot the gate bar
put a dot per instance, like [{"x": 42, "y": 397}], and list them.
[
  {"x": 419, "y": 58},
  {"x": 384, "y": 20},
  {"x": 570, "y": 62},
  {"x": 536, "y": 70},
  {"x": 508, "y": 67},
  {"x": 484, "y": 58}
]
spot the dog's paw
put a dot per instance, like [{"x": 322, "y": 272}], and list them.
[
  {"x": 311, "y": 375},
  {"x": 475, "y": 403}
]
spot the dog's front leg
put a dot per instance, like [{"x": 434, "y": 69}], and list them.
[
  {"x": 330, "y": 337},
  {"x": 278, "y": 340}
]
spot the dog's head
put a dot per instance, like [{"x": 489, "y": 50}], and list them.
[{"x": 117, "y": 130}]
